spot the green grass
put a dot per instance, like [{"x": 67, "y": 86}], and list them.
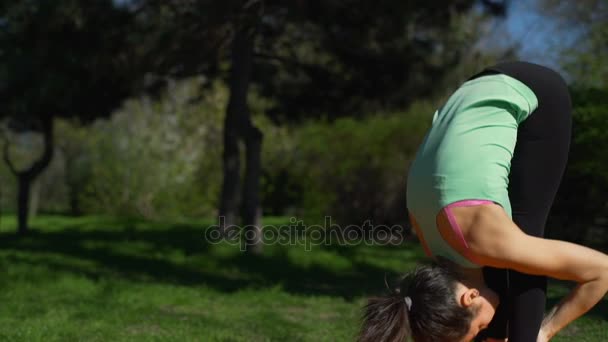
[{"x": 102, "y": 279}]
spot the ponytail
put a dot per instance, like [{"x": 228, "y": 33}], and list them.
[{"x": 385, "y": 319}]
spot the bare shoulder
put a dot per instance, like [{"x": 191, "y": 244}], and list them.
[{"x": 478, "y": 236}]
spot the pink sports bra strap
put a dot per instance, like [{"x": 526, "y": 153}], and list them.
[{"x": 452, "y": 220}]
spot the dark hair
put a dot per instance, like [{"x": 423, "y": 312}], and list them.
[{"x": 434, "y": 314}]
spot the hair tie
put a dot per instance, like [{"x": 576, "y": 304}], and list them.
[{"x": 408, "y": 302}]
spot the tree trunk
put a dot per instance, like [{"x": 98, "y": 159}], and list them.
[
  {"x": 238, "y": 128},
  {"x": 23, "y": 200},
  {"x": 34, "y": 199},
  {"x": 252, "y": 210},
  {"x": 26, "y": 177},
  {"x": 232, "y": 168}
]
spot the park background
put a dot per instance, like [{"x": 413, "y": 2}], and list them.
[{"x": 129, "y": 127}]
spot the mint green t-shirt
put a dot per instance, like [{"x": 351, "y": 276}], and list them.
[{"x": 467, "y": 153}]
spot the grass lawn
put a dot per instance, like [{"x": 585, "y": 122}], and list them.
[{"x": 101, "y": 279}]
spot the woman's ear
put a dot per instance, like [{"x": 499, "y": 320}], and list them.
[{"x": 467, "y": 296}]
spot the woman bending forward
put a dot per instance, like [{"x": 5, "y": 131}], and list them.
[{"x": 479, "y": 193}]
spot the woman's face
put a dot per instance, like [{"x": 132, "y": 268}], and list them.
[{"x": 483, "y": 302}]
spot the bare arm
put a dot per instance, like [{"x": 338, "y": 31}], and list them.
[
  {"x": 579, "y": 301},
  {"x": 498, "y": 242}
]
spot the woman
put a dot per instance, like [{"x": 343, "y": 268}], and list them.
[{"x": 479, "y": 193}]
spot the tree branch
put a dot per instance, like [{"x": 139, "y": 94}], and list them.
[
  {"x": 283, "y": 60},
  {"x": 47, "y": 155},
  {"x": 7, "y": 159}
]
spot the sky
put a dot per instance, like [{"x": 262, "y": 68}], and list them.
[{"x": 540, "y": 37}]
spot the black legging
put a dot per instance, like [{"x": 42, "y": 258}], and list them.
[{"x": 538, "y": 164}]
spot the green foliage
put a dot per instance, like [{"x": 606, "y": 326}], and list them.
[
  {"x": 349, "y": 58},
  {"x": 159, "y": 158},
  {"x": 155, "y": 157},
  {"x": 583, "y": 49},
  {"x": 590, "y": 136},
  {"x": 74, "y": 151},
  {"x": 586, "y": 63},
  {"x": 356, "y": 170},
  {"x": 581, "y": 203},
  {"x": 63, "y": 59},
  {"x": 336, "y": 57},
  {"x": 162, "y": 158}
]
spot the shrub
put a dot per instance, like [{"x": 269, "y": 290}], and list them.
[{"x": 356, "y": 170}]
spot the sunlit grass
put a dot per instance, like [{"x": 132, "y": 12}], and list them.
[{"x": 104, "y": 279}]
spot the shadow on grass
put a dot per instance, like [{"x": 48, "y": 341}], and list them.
[{"x": 149, "y": 255}]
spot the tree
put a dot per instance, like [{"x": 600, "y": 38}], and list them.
[
  {"x": 65, "y": 58},
  {"x": 238, "y": 127},
  {"x": 333, "y": 57},
  {"x": 582, "y": 50},
  {"x": 585, "y": 23},
  {"x": 348, "y": 58}
]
